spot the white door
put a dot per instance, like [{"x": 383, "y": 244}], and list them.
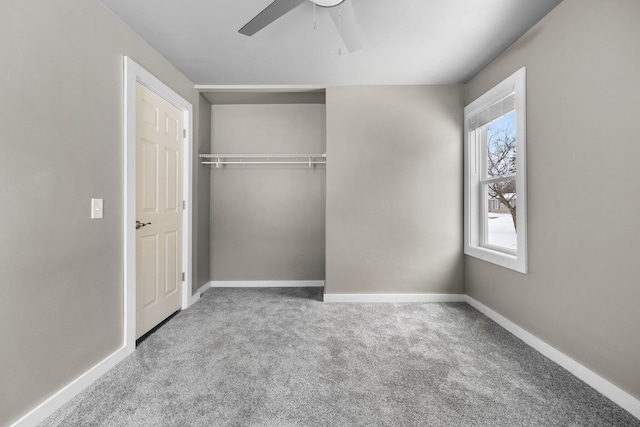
[{"x": 159, "y": 139}]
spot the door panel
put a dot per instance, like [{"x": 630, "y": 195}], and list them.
[
  {"x": 172, "y": 127},
  {"x": 173, "y": 275},
  {"x": 159, "y": 130},
  {"x": 149, "y": 270},
  {"x": 172, "y": 179},
  {"x": 149, "y": 188}
]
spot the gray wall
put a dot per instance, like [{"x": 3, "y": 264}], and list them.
[
  {"x": 583, "y": 105},
  {"x": 394, "y": 189},
  {"x": 61, "y": 118},
  {"x": 268, "y": 222}
]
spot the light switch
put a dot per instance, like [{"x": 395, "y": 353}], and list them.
[{"x": 96, "y": 209}]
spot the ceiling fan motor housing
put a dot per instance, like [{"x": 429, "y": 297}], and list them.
[{"x": 327, "y": 3}]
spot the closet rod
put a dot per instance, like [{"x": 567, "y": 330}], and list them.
[
  {"x": 265, "y": 163},
  {"x": 256, "y": 159},
  {"x": 239, "y": 156}
]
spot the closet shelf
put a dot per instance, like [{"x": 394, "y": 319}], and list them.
[{"x": 220, "y": 160}]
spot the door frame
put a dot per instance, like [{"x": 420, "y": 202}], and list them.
[{"x": 134, "y": 73}]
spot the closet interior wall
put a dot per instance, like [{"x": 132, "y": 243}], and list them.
[{"x": 267, "y": 221}]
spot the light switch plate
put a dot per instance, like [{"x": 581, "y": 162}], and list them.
[{"x": 96, "y": 209}]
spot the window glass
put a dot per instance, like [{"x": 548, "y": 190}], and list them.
[
  {"x": 500, "y": 162},
  {"x": 501, "y": 146},
  {"x": 501, "y": 215}
]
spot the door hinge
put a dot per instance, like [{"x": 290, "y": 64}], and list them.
[
  {"x": 184, "y": 133},
  {"x": 184, "y": 204},
  {"x": 183, "y": 276}
]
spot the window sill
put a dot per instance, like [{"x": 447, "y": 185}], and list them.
[{"x": 499, "y": 258}]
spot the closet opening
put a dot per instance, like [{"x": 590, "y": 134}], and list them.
[{"x": 267, "y": 165}]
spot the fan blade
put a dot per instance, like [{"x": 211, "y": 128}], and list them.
[
  {"x": 272, "y": 12},
  {"x": 345, "y": 20}
]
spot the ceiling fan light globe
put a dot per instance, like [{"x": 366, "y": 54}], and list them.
[{"x": 327, "y": 3}]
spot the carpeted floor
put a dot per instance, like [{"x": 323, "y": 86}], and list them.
[{"x": 281, "y": 357}]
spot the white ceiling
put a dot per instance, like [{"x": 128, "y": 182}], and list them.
[{"x": 404, "y": 41}]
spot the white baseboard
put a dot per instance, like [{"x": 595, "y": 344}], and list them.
[
  {"x": 394, "y": 298},
  {"x": 603, "y": 386},
  {"x": 266, "y": 283},
  {"x": 203, "y": 288},
  {"x": 68, "y": 392},
  {"x": 193, "y": 298}
]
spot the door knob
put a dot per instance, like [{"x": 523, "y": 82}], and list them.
[{"x": 141, "y": 224}]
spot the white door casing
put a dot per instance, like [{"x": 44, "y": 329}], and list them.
[
  {"x": 159, "y": 134},
  {"x": 133, "y": 74}
]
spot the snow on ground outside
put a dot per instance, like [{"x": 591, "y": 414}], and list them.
[{"x": 501, "y": 232}]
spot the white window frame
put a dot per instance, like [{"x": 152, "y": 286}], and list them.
[{"x": 475, "y": 206}]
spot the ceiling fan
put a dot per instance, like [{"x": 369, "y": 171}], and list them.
[{"x": 341, "y": 12}]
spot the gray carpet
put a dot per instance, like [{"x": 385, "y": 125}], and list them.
[{"x": 281, "y": 357}]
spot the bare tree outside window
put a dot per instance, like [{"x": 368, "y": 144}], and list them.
[{"x": 501, "y": 161}]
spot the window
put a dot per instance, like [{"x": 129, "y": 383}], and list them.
[{"x": 495, "y": 175}]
